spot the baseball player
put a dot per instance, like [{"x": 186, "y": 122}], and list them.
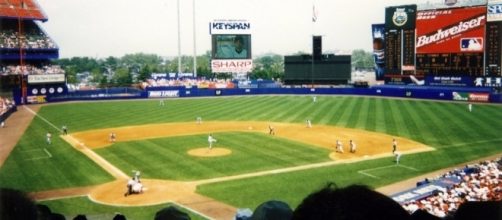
[
  {"x": 314, "y": 99},
  {"x": 210, "y": 139},
  {"x": 470, "y": 107},
  {"x": 339, "y": 146},
  {"x": 65, "y": 130},
  {"x": 394, "y": 145},
  {"x": 397, "y": 155},
  {"x": 161, "y": 102},
  {"x": 112, "y": 137},
  {"x": 199, "y": 120},
  {"x": 271, "y": 130},
  {"x": 309, "y": 123},
  {"x": 136, "y": 175},
  {"x": 352, "y": 146},
  {"x": 2, "y": 124},
  {"x": 48, "y": 136}
]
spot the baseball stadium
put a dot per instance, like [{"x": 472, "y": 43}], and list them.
[{"x": 219, "y": 149}]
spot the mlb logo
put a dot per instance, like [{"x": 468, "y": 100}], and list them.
[{"x": 471, "y": 44}]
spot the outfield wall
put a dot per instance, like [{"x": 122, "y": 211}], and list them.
[{"x": 419, "y": 92}]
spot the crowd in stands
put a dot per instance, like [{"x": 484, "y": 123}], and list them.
[
  {"x": 31, "y": 70},
  {"x": 5, "y": 105},
  {"x": 188, "y": 83},
  {"x": 479, "y": 182},
  {"x": 34, "y": 39}
]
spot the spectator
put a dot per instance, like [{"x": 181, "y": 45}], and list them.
[
  {"x": 15, "y": 204},
  {"x": 352, "y": 202},
  {"x": 272, "y": 210},
  {"x": 171, "y": 213}
]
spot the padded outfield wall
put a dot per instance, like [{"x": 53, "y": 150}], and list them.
[{"x": 462, "y": 94}]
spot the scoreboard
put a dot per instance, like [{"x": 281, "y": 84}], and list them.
[
  {"x": 493, "y": 48},
  {"x": 468, "y": 64}
]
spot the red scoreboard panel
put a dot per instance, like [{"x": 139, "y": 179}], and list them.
[{"x": 451, "y": 41}]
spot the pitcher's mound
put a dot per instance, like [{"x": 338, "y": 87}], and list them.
[{"x": 206, "y": 152}]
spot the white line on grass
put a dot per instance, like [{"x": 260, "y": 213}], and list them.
[
  {"x": 46, "y": 151},
  {"x": 48, "y": 122},
  {"x": 23, "y": 151},
  {"x": 365, "y": 172},
  {"x": 38, "y": 158}
]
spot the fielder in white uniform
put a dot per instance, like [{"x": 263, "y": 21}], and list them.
[
  {"x": 210, "y": 139},
  {"x": 339, "y": 146}
]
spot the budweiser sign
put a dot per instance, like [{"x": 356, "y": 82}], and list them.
[
  {"x": 441, "y": 34},
  {"x": 451, "y": 30}
]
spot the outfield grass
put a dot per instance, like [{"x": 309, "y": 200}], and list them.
[{"x": 458, "y": 135}]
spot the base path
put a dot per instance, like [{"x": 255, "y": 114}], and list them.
[{"x": 370, "y": 145}]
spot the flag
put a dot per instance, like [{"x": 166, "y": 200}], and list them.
[{"x": 314, "y": 14}]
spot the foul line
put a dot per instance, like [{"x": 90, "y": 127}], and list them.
[
  {"x": 46, "y": 151},
  {"x": 38, "y": 158},
  {"x": 43, "y": 119},
  {"x": 475, "y": 142}
]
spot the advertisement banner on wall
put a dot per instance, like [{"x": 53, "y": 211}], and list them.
[
  {"x": 494, "y": 10},
  {"x": 164, "y": 94},
  {"x": 378, "y": 32},
  {"x": 449, "y": 81},
  {"x": 455, "y": 30},
  {"x": 231, "y": 66},
  {"x": 471, "y": 96},
  {"x": 36, "y": 99},
  {"x": 49, "y": 78}
]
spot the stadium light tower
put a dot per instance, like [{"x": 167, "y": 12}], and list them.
[
  {"x": 179, "y": 39},
  {"x": 194, "y": 44}
]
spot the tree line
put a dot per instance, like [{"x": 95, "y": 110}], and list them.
[{"x": 134, "y": 68}]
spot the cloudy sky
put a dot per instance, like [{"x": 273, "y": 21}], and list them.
[{"x": 102, "y": 28}]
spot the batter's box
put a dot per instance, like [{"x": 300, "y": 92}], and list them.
[{"x": 36, "y": 154}]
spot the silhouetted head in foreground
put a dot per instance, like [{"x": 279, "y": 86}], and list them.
[{"x": 355, "y": 202}]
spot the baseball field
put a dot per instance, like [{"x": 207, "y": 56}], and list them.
[{"x": 84, "y": 172}]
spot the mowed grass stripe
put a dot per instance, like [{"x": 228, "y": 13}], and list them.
[
  {"x": 370, "y": 123},
  {"x": 434, "y": 123},
  {"x": 320, "y": 108},
  {"x": 479, "y": 126},
  {"x": 284, "y": 107},
  {"x": 413, "y": 120},
  {"x": 357, "y": 114},
  {"x": 230, "y": 109},
  {"x": 294, "y": 104},
  {"x": 389, "y": 114},
  {"x": 343, "y": 102},
  {"x": 347, "y": 111},
  {"x": 259, "y": 110},
  {"x": 455, "y": 124}
]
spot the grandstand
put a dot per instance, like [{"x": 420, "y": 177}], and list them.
[{"x": 25, "y": 50}]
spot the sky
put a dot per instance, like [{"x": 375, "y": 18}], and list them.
[{"x": 103, "y": 28}]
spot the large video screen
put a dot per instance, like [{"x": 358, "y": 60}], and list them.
[{"x": 231, "y": 46}]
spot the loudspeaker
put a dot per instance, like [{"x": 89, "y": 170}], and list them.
[{"x": 317, "y": 47}]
